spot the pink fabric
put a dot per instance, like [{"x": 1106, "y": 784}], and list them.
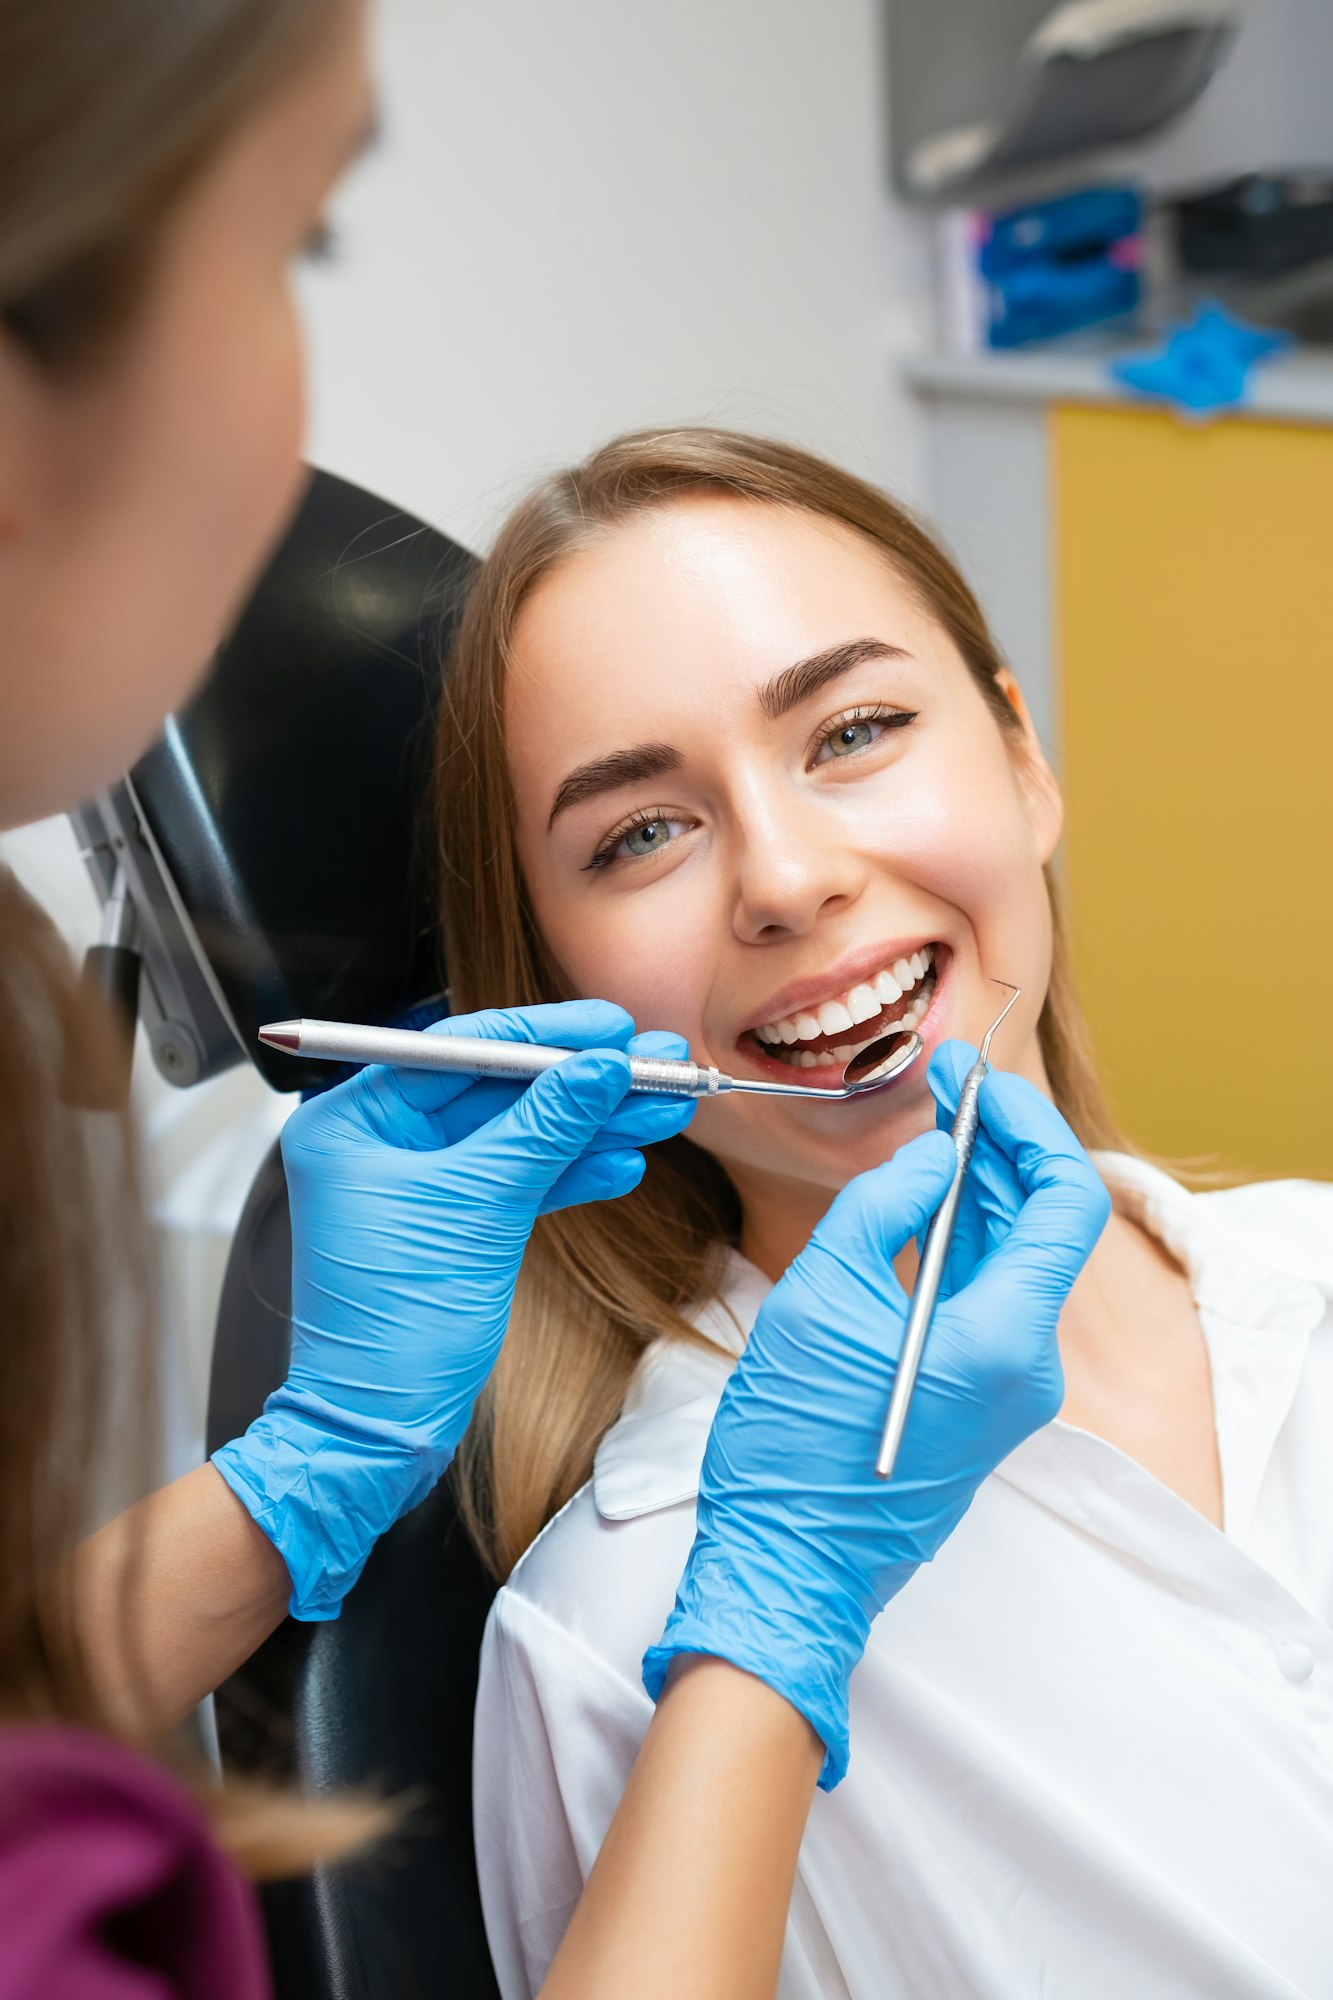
[{"x": 110, "y": 1885}]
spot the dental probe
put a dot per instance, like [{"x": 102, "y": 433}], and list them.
[
  {"x": 939, "y": 1236},
  {"x": 405, "y": 1048}
]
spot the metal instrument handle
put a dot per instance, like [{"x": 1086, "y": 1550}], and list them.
[
  {"x": 930, "y": 1275},
  {"x": 480, "y": 1055}
]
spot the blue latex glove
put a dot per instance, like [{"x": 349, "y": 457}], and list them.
[
  {"x": 799, "y": 1543},
  {"x": 1203, "y": 365},
  {"x": 413, "y": 1193},
  {"x": 993, "y": 1191}
]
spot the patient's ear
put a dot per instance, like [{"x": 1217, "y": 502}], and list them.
[{"x": 1042, "y": 800}]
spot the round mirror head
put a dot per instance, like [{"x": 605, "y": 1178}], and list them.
[{"x": 879, "y": 1062}]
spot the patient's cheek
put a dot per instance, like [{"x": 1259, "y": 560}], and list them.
[
  {"x": 960, "y": 833},
  {"x": 653, "y": 964}
]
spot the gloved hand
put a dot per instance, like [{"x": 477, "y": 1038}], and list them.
[
  {"x": 992, "y": 1192},
  {"x": 799, "y": 1544},
  {"x": 413, "y": 1193}
]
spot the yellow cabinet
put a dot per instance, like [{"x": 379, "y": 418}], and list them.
[{"x": 1193, "y": 574}]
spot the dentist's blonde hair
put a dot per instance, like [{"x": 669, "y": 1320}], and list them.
[
  {"x": 599, "y": 1283},
  {"x": 110, "y": 112}
]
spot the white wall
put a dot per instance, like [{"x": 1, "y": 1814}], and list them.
[{"x": 606, "y": 213}]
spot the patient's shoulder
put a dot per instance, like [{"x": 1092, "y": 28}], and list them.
[
  {"x": 1289, "y": 1222},
  {"x": 602, "y": 1586}
]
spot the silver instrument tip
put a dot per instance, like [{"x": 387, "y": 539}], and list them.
[
  {"x": 282, "y": 1035},
  {"x": 1014, "y": 992}
]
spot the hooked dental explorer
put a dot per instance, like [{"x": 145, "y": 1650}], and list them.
[
  {"x": 939, "y": 1236},
  {"x": 406, "y": 1048}
]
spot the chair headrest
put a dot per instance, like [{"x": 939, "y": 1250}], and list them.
[{"x": 288, "y": 805}]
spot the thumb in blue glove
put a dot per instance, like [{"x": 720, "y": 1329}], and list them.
[
  {"x": 993, "y": 1191},
  {"x": 799, "y": 1544},
  {"x": 413, "y": 1194}
]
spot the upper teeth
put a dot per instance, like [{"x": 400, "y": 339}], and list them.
[{"x": 860, "y": 1003}]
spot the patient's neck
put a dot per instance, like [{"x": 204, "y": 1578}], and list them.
[{"x": 779, "y": 1216}]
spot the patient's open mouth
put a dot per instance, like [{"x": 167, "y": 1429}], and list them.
[{"x": 835, "y": 1030}]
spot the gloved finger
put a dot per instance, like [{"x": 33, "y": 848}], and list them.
[
  {"x": 645, "y": 1118},
  {"x": 1025, "y": 1125},
  {"x": 992, "y": 1192},
  {"x": 561, "y": 1024},
  {"x": 528, "y": 1147},
  {"x": 644, "y": 1121},
  {"x": 659, "y": 1042},
  {"x": 946, "y": 1076},
  {"x": 992, "y": 1196},
  {"x": 879, "y": 1212},
  {"x": 641, "y": 1121},
  {"x": 948, "y": 1068},
  {"x": 971, "y": 1234},
  {"x": 1019, "y": 1127},
  {"x": 422, "y": 1109},
  {"x": 595, "y": 1177},
  {"x": 1063, "y": 1214},
  {"x": 567, "y": 1024}
]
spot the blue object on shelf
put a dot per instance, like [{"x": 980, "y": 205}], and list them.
[
  {"x": 1054, "y": 266},
  {"x": 1203, "y": 365},
  {"x": 1070, "y": 227},
  {"x": 1042, "y": 300}
]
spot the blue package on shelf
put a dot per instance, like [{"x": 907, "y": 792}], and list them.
[
  {"x": 1040, "y": 301},
  {"x": 1070, "y": 226},
  {"x": 1056, "y": 266}
]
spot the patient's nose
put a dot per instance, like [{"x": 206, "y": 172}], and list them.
[{"x": 790, "y": 871}]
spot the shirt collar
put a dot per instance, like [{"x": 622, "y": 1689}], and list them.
[
  {"x": 652, "y": 1455},
  {"x": 1227, "y": 1270},
  {"x": 1257, "y": 1317}
]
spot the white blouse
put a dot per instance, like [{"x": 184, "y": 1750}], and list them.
[{"x": 1092, "y": 1742}]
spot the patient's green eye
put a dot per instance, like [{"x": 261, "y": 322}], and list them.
[
  {"x": 644, "y": 836},
  {"x": 860, "y": 729},
  {"x": 851, "y": 736},
  {"x": 647, "y": 837}
]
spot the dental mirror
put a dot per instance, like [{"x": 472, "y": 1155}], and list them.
[
  {"x": 881, "y": 1062},
  {"x": 878, "y": 1063}
]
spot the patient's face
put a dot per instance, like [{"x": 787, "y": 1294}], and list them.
[{"x": 777, "y": 860}]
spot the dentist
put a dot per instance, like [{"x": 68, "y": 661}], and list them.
[{"x": 163, "y": 163}]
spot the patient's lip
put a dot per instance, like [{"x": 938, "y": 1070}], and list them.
[{"x": 833, "y": 979}]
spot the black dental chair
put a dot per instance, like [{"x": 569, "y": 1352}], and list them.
[{"x": 269, "y": 858}]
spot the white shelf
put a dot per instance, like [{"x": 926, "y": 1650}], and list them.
[{"x": 1295, "y": 387}]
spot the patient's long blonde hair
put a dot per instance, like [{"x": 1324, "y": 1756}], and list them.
[{"x": 599, "y": 1283}]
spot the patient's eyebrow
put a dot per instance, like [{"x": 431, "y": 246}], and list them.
[
  {"x": 794, "y": 685},
  {"x": 785, "y": 691},
  {"x": 608, "y": 774}
]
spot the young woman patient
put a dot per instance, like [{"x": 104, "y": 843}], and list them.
[{"x": 727, "y": 741}]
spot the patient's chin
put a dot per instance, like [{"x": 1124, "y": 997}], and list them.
[{"x": 769, "y": 1149}]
